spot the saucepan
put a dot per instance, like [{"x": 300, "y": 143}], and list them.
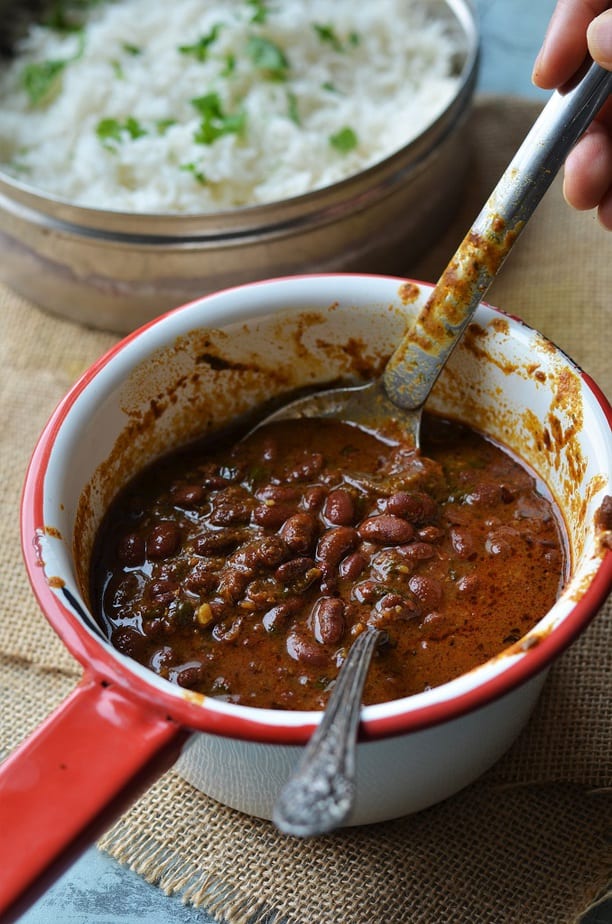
[{"x": 187, "y": 374}]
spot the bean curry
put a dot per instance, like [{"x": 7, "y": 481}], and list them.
[{"x": 244, "y": 569}]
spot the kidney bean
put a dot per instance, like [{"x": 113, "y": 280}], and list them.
[
  {"x": 266, "y": 552},
  {"x": 163, "y": 591},
  {"x": 231, "y": 505},
  {"x": 314, "y": 497},
  {"x": 304, "y": 648},
  {"x": 352, "y": 566},
  {"x": 335, "y": 543},
  {"x": 128, "y": 641},
  {"x": 201, "y": 579},
  {"x": 160, "y": 659},
  {"x": 417, "y": 506},
  {"x": 220, "y": 540},
  {"x": 131, "y": 550},
  {"x": 339, "y": 507},
  {"x": 397, "y": 606},
  {"x": 163, "y": 540},
  {"x": 187, "y": 675},
  {"x": 307, "y": 467},
  {"x": 277, "y": 616},
  {"x": 416, "y": 551},
  {"x": 485, "y": 493},
  {"x": 299, "y": 531},
  {"x": 427, "y": 590},
  {"x": 463, "y": 542},
  {"x": 328, "y": 620},
  {"x": 262, "y": 592},
  {"x": 386, "y": 529},
  {"x": 187, "y": 495},
  {"x": 278, "y": 494},
  {"x": 468, "y": 584},
  {"x": 430, "y": 533},
  {"x": 232, "y": 584},
  {"x": 368, "y": 591},
  {"x": 222, "y": 632},
  {"x": 272, "y": 515},
  {"x": 121, "y": 591},
  {"x": 298, "y": 573}
]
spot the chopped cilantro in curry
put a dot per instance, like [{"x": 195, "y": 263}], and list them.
[{"x": 344, "y": 140}]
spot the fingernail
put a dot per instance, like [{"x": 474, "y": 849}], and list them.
[
  {"x": 536, "y": 65},
  {"x": 599, "y": 38}
]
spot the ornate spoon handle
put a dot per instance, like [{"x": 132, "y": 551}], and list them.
[{"x": 319, "y": 796}]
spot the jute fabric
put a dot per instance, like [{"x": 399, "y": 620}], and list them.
[{"x": 529, "y": 842}]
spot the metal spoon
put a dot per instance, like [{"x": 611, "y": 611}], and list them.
[
  {"x": 319, "y": 796},
  {"x": 399, "y": 395}
]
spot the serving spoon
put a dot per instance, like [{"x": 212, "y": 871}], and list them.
[{"x": 319, "y": 795}]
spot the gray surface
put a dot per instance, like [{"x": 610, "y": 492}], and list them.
[{"x": 97, "y": 890}]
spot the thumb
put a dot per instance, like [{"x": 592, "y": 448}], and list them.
[{"x": 599, "y": 38}]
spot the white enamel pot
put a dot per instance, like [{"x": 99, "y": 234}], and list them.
[{"x": 188, "y": 373}]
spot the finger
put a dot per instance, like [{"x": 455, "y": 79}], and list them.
[
  {"x": 604, "y": 213},
  {"x": 599, "y": 39},
  {"x": 588, "y": 169},
  {"x": 565, "y": 43}
]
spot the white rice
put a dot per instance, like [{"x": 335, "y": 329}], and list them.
[{"x": 390, "y": 77}]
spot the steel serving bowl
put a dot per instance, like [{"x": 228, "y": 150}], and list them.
[
  {"x": 189, "y": 373},
  {"x": 117, "y": 270}
]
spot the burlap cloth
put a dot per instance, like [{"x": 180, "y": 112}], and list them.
[{"x": 530, "y": 841}]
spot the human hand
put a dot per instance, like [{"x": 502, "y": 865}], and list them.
[{"x": 578, "y": 27}]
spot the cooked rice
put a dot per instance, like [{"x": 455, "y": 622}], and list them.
[{"x": 114, "y": 125}]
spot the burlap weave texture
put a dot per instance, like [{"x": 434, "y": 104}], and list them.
[{"x": 525, "y": 844}]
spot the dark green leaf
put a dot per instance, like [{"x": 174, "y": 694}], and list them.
[
  {"x": 198, "y": 174},
  {"x": 328, "y": 34},
  {"x": 113, "y": 130},
  {"x": 131, "y": 49},
  {"x": 292, "y": 107},
  {"x": 260, "y": 12},
  {"x": 215, "y": 122}
]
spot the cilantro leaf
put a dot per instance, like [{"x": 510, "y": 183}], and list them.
[
  {"x": 260, "y": 12},
  {"x": 41, "y": 80},
  {"x": 113, "y": 130},
  {"x": 268, "y": 57},
  {"x": 292, "y": 108},
  {"x": 344, "y": 140},
  {"x": 200, "y": 48},
  {"x": 214, "y": 121},
  {"x": 197, "y": 174},
  {"x": 328, "y": 34}
]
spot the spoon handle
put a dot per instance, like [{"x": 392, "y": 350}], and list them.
[
  {"x": 417, "y": 362},
  {"x": 319, "y": 795}
]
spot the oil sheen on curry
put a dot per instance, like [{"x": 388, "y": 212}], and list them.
[{"x": 244, "y": 570}]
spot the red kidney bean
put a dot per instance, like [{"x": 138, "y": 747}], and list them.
[
  {"x": 187, "y": 675},
  {"x": 463, "y": 542},
  {"x": 314, "y": 497},
  {"x": 386, "y": 529},
  {"x": 368, "y": 591},
  {"x": 271, "y": 516},
  {"x": 128, "y": 641},
  {"x": 304, "y": 648},
  {"x": 131, "y": 550},
  {"x": 298, "y": 573},
  {"x": 430, "y": 533},
  {"x": 276, "y": 617},
  {"x": 187, "y": 495},
  {"x": 395, "y": 606},
  {"x": 328, "y": 620},
  {"x": 427, "y": 590},
  {"x": 417, "y": 506},
  {"x": 335, "y": 543},
  {"x": 485, "y": 493},
  {"x": 163, "y": 591},
  {"x": 307, "y": 467},
  {"x": 416, "y": 551},
  {"x": 266, "y": 552},
  {"x": 222, "y": 632},
  {"x": 163, "y": 540},
  {"x": 299, "y": 532},
  {"x": 214, "y": 541},
  {"x": 278, "y": 494},
  {"x": 352, "y": 566},
  {"x": 232, "y": 584},
  {"x": 262, "y": 592},
  {"x": 230, "y": 506},
  {"x": 200, "y": 579},
  {"x": 468, "y": 584},
  {"x": 339, "y": 507}
]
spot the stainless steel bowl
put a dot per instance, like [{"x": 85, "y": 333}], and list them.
[{"x": 117, "y": 270}]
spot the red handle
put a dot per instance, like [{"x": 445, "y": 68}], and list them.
[{"x": 65, "y": 784}]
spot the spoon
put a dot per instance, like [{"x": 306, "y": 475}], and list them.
[
  {"x": 319, "y": 796},
  {"x": 399, "y": 395}
]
